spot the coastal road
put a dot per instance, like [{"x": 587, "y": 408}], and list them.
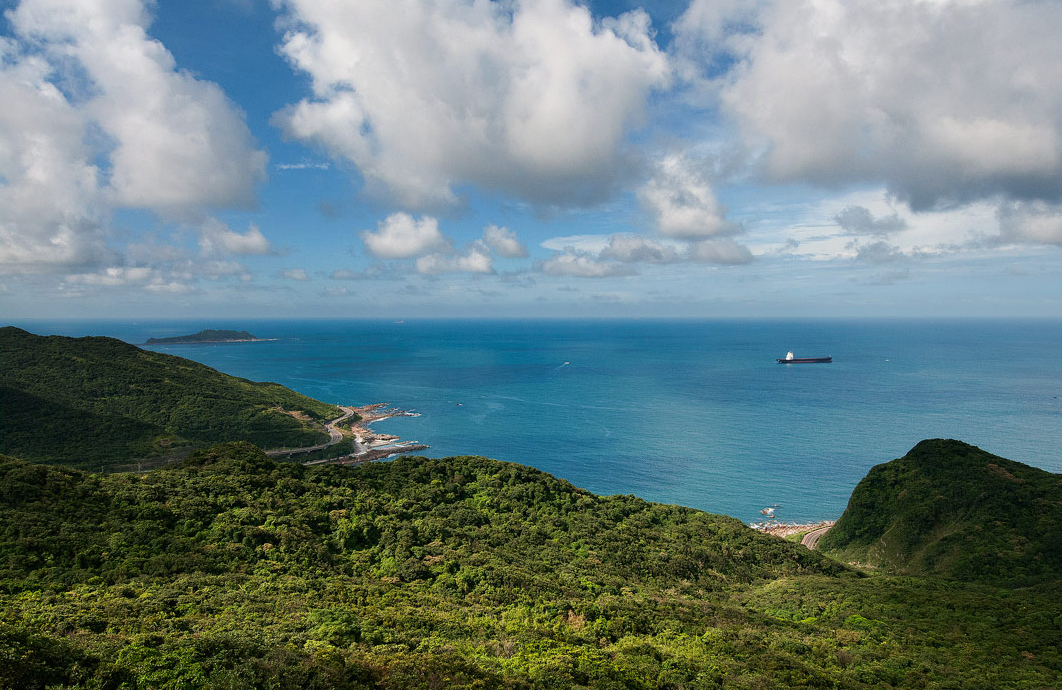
[
  {"x": 334, "y": 435},
  {"x": 812, "y": 538}
]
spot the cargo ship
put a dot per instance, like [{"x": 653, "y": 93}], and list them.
[{"x": 790, "y": 359}]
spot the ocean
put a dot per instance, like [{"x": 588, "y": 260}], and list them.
[{"x": 696, "y": 413}]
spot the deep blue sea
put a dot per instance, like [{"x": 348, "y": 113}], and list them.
[{"x": 697, "y": 413}]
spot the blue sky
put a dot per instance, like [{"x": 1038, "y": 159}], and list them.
[{"x": 403, "y": 159}]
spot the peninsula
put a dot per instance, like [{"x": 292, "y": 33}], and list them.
[{"x": 207, "y": 336}]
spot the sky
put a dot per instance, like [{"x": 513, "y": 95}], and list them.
[{"x": 457, "y": 158}]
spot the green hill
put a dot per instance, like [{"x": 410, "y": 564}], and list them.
[
  {"x": 953, "y": 510},
  {"x": 99, "y": 401},
  {"x": 229, "y": 570}
]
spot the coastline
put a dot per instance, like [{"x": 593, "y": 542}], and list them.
[{"x": 368, "y": 445}]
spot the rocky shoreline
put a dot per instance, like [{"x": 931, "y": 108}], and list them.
[
  {"x": 783, "y": 529},
  {"x": 369, "y": 445}
]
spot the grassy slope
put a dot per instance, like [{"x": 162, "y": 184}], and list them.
[
  {"x": 950, "y": 509},
  {"x": 111, "y": 401},
  {"x": 231, "y": 570}
]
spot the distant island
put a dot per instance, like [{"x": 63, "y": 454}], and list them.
[{"x": 207, "y": 336}]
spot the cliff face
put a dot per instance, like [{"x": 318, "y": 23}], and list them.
[{"x": 951, "y": 509}]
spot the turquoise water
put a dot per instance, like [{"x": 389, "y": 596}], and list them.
[{"x": 690, "y": 412}]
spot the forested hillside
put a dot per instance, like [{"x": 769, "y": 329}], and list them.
[
  {"x": 950, "y": 509},
  {"x": 94, "y": 402},
  {"x": 232, "y": 571}
]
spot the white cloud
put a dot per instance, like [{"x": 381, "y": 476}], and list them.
[
  {"x": 477, "y": 259},
  {"x": 724, "y": 251},
  {"x": 533, "y": 99},
  {"x": 637, "y": 249},
  {"x": 98, "y": 117},
  {"x": 401, "y": 236},
  {"x": 179, "y": 144},
  {"x": 294, "y": 274},
  {"x": 945, "y": 102},
  {"x": 216, "y": 238},
  {"x": 573, "y": 263},
  {"x": 681, "y": 202},
  {"x": 50, "y": 211},
  {"x": 504, "y": 242}
]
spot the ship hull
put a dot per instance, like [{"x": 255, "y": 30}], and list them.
[{"x": 806, "y": 360}]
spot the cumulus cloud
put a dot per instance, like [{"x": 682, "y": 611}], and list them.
[
  {"x": 533, "y": 99},
  {"x": 98, "y": 117},
  {"x": 50, "y": 206},
  {"x": 504, "y": 242},
  {"x": 722, "y": 251},
  {"x": 216, "y": 238},
  {"x": 179, "y": 144},
  {"x": 965, "y": 107},
  {"x": 637, "y": 249},
  {"x": 577, "y": 264},
  {"x": 680, "y": 200},
  {"x": 858, "y": 220},
  {"x": 477, "y": 259},
  {"x": 401, "y": 236}
]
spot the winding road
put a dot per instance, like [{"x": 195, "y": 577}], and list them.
[
  {"x": 334, "y": 435},
  {"x": 812, "y": 538}
]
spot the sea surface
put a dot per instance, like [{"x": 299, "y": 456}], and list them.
[{"x": 696, "y": 413}]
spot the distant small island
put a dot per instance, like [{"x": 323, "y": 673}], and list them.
[{"x": 207, "y": 336}]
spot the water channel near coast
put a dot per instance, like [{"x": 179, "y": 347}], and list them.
[{"x": 697, "y": 413}]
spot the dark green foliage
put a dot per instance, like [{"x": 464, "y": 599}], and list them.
[
  {"x": 951, "y": 509},
  {"x": 96, "y": 401},
  {"x": 229, "y": 570},
  {"x": 206, "y": 336}
]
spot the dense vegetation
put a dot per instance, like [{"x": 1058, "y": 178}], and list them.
[
  {"x": 205, "y": 336},
  {"x": 94, "y": 402},
  {"x": 951, "y": 509},
  {"x": 230, "y": 570}
]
